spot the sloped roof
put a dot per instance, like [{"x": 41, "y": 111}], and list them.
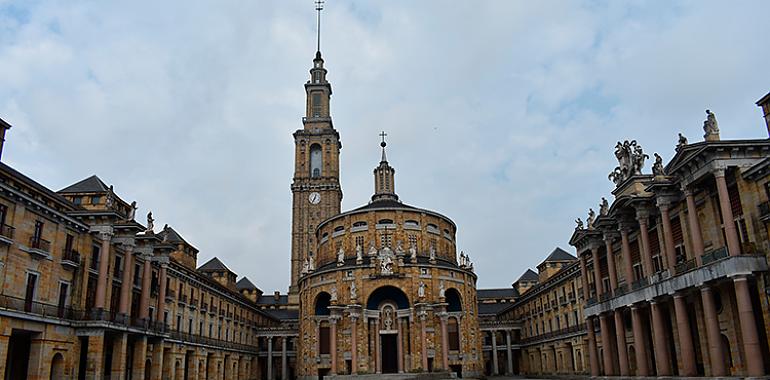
[
  {"x": 529, "y": 275},
  {"x": 244, "y": 283},
  {"x": 269, "y": 299},
  {"x": 91, "y": 184},
  {"x": 492, "y": 308},
  {"x": 213, "y": 265},
  {"x": 559, "y": 254},
  {"x": 282, "y": 314},
  {"x": 497, "y": 293}
]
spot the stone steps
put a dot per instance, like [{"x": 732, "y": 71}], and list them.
[{"x": 397, "y": 376}]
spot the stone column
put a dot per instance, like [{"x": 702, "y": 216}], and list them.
[
  {"x": 685, "y": 337},
  {"x": 625, "y": 249},
  {"x": 423, "y": 341},
  {"x": 668, "y": 236},
  {"x": 754, "y": 365},
  {"x": 593, "y": 351},
  {"x": 640, "y": 342},
  {"x": 494, "y": 352},
  {"x": 620, "y": 336},
  {"x": 95, "y": 357},
  {"x": 284, "y": 369},
  {"x": 377, "y": 354},
  {"x": 144, "y": 301},
  {"x": 270, "y": 357},
  {"x": 354, "y": 344},
  {"x": 4, "y": 343},
  {"x": 597, "y": 272},
  {"x": 162, "y": 279},
  {"x": 733, "y": 242},
  {"x": 716, "y": 353},
  {"x": 611, "y": 262},
  {"x": 126, "y": 283},
  {"x": 508, "y": 351},
  {"x": 333, "y": 341},
  {"x": 647, "y": 267},
  {"x": 444, "y": 342},
  {"x": 695, "y": 234},
  {"x": 662, "y": 358},
  {"x": 119, "y": 356},
  {"x": 140, "y": 357},
  {"x": 609, "y": 368},
  {"x": 104, "y": 265},
  {"x": 584, "y": 278},
  {"x": 399, "y": 348},
  {"x": 157, "y": 361}
]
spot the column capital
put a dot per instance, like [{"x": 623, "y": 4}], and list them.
[
  {"x": 610, "y": 235},
  {"x": 719, "y": 170}
]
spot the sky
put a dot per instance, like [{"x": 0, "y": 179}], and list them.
[{"x": 502, "y": 115}]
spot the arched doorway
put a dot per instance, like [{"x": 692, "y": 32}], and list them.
[
  {"x": 57, "y": 366},
  {"x": 388, "y": 312}
]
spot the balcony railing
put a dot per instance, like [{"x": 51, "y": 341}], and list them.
[
  {"x": 70, "y": 258},
  {"x": 40, "y": 247},
  {"x": 640, "y": 283},
  {"x": 170, "y": 295},
  {"x": 591, "y": 301},
  {"x": 685, "y": 266},
  {"x": 183, "y": 298},
  {"x": 192, "y": 338},
  {"x": 38, "y": 308},
  {"x": 711, "y": 256},
  {"x": 7, "y": 232},
  {"x": 567, "y": 330},
  {"x": 764, "y": 211}
]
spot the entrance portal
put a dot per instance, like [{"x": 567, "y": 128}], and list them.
[{"x": 389, "y": 353}]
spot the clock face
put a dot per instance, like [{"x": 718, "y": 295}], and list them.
[{"x": 314, "y": 198}]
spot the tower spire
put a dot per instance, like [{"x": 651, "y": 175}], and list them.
[
  {"x": 319, "y": 6},
  {"x": 384, "y": 177}
]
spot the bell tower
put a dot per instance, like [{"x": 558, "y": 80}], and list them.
[{"x": 316, "y": 189}]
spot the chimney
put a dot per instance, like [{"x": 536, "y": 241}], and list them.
[
  {"x": 763, "y": 103},
  {"x": 277, "y": 296},
  {"x": 3, "y": 128}
]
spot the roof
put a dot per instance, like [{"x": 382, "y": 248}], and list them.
[
  {"x": 244, "y": 283},
  {"x": 213, "y": 265},
  {"x": 36, "y": 186},
  {"x": 91, "y": 184},
  {"x": 4, "y": 124},
  {"x": 282, "y": 314},
  {"x": 529, "y": 275},
  {"x": 492, "y": 308},
  {"x": 497, "y": 293},
  {"x": 559, "y": 254},
  {"x": 764, "y": 99},
  {"x": 269, "y": 299},
  {"x": 384, "y": 203}
]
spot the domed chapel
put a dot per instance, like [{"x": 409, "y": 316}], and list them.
[{"x": 380, "y": 288}]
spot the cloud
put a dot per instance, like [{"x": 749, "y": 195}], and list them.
[{"x": 501, "y": 115}]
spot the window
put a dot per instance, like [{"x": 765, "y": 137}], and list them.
[
  {"x": 316, "y": 104},
  {"x": 315, "y": 161},
  {"x": 360, "y": 241},
  {"x": 95, "y": 252},
  {"x": 359, "y": 224},
  {"x": 63, "y": 291},
  {"x": 178, "y": 323},
  {"x": 38, "y": 234},
  {"x": 138, "y": 275},
  {"x": 95, "y": 200},
  {"x": 118, "y": 271},
  {"x": 3, "y": 214},
  {"x": 453, "y": 335},
  {"x": 385, "y": 221},
  {"x": 411, "y": 224},
  {"x": 323, "y": 332},
  {"x": 29, "y": 295},
  {"x": 385, "y": 240}
]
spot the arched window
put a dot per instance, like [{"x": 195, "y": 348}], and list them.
[
  {"x": 316, "y": 159},
  {"x": 57, "y": 366},
  {"x": 453, "y": 300}
]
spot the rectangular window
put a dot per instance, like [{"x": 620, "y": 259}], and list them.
[
  {"x": 95, "y": 200},
  {"x": 63, "y": 291},
  {"x": 137, "y": 274},
  {"x": 90, "y": 292},
  {"x": 3, "y": 215},
  {"x": 95, "y": 252},
  {"x": 118, "y": 270},
  {"x": 325, "y": 341},
  {"x": 178, "y": 323},
  {"x": 29, "y": 295},
  {"x": 77, "y": 200},
  {"x": 316, "y": 104}
]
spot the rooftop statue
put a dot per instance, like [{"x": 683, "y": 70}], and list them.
[
  {"x": 710, "y": 126},
  {"x": 682, "y": 141},
  {"x": 657, "y": 167},
  {"x": 132, "y": 211},
  {"x": 579, "y": 224},
  {"x": 340, "y": 256},
  {"x": 591, "y": 218},
  {"x": 631, "y": 159},
  {"x": 604, "y": 207},
  {"x": 150, "y": 223}
]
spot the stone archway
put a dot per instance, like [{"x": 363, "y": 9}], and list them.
[
  {"x": 387, "y": 313},
  {"x": 57, "y": 366}
]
